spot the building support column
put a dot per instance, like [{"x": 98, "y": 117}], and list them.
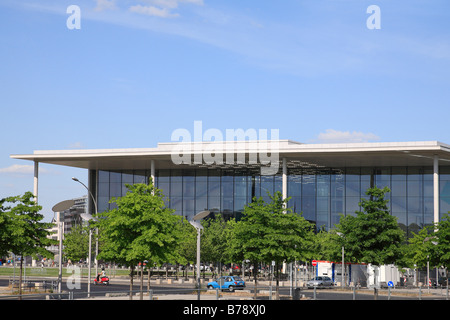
[
  {"x": 36, "y": 180},
  {"x": 36, "y": 194},
  {"x": 152, "y": 172},
  {"x": 284, "y": 178},
  {"x": 436, "y": 188}
]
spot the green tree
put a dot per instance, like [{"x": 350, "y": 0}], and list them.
[
  {"x": 187, "y": 247},
  {"x": 5, "y": 225},
  {"x": 372, "y": 236},
  {"x": 420, "y": 248},
  {"x": 327, "y": 246},
  {"x": 442, "y": 240},
  {"x": 214, "y": 243},
  {"x": 140, "y": 228},
  {"x": 76, "y": 243},
  {"x": 271, "y": 232},
  {"x": 26, "y": 234}
]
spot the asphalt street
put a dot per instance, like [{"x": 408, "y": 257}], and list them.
[{"x": 121, "y": 287}]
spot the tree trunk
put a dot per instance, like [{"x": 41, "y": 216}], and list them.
[
  {"x": 148, "y": 278},
  {"x": 131, "y": 282},
  {"x": 277, "y": 290},
  {"x": 141, "y": 293},
  {"x": 255, "y": 277},
  {"x": 20, "y": 278}
]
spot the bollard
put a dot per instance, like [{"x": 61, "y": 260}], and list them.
[
  {"x": 420, "y": 293},
  {"x": 296, "y": 294},
  {"x": 315, "y": 296},
  {"x": 150, "y": 294},
  {"x": 354, "y": 293}
]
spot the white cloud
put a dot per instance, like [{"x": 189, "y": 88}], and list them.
[
  {"x": 335, "y": 136},
  {"x": 105, "y": 5},
  {"x": 76, "y": 145},
  {"x": 161, "y": 8},
  {"x": 172, "y": 4},
  {"x": 25, "y": 169},
  {"x": 153, "y": 11},
  {"x": 18, "y": 168}
]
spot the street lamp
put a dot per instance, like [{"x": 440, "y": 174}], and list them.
[
  {"x": 199, "y": 227},
  {"x": 88, "y": 218},
  {"x": 60, "y": 208},
  {"x": 428, "y": 261},
  {"x": 343, "y": 262}
]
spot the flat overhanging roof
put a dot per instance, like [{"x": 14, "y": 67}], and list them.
[{"x": 420, "y": 153}]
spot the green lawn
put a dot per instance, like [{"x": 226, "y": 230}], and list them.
[{"x": 53, "y": 272}]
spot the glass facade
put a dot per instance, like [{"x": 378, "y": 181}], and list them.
[{"x": 321, "y": 194}]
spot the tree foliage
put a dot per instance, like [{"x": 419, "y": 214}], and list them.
[
  {"x": 214, "y": 246},
  {"x": 76, "y": 243},
  {"x": 140, "y": 228},
  {"x": 271, "y": 232},
  {"x": 22, "y": 231},
  {"x": 442, "y": 247},
  {"x": 372, "y": 236},
  {"x": 327, "y": 246}
]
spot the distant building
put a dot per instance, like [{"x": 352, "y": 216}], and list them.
[{"x": 72, "y": 218}]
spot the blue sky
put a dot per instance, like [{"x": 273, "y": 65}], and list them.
[{"x": 139, "y": 69}]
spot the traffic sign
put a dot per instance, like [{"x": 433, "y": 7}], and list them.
[
  {"x": 314, "y": 263},
  {"x": 390, "y": 284}
]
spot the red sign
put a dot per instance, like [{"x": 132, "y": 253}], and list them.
[{"x": 314, "y": 263}]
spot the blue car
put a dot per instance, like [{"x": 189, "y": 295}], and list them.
[{"x": 227, "y": 282}]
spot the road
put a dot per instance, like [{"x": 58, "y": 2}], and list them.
[{"x": 122, "y": 286}]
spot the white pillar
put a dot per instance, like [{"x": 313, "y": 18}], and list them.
[
  {"x": 35, "y": 192},
  {"x": 284, "y": 179},
  {"x": 36, "y": 178},
  {"x": 436, "y": 188},
  {"x": 152, "y": 170}
]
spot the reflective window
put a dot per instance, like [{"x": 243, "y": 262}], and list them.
[{"x": 322, "y": 195}]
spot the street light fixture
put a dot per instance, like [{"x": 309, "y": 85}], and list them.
[
  {"x": 428, "y": 261},
  {"x": 60, "y": 208},
  {"x": 198, "y": 227},
  {"x": 343, "y": 262},
  {"x": 89, "y": 217}
]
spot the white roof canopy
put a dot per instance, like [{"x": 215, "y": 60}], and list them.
[{"x": 419, "y": 153}]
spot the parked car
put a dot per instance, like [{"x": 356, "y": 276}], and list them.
[
  {"x": 320, "y": 282},
  {"x": 227, "y": 282}
]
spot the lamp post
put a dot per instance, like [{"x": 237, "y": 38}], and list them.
[
  {"x": 88, "y": 218},
  {"x": 60, "y": 208},
  {"x": 428, "y": 260},
  {"x": 343, "y": 263},
  {"x": 198, "y": 227}
]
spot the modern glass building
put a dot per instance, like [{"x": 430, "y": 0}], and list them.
[{"x": 322, "y": 181}]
